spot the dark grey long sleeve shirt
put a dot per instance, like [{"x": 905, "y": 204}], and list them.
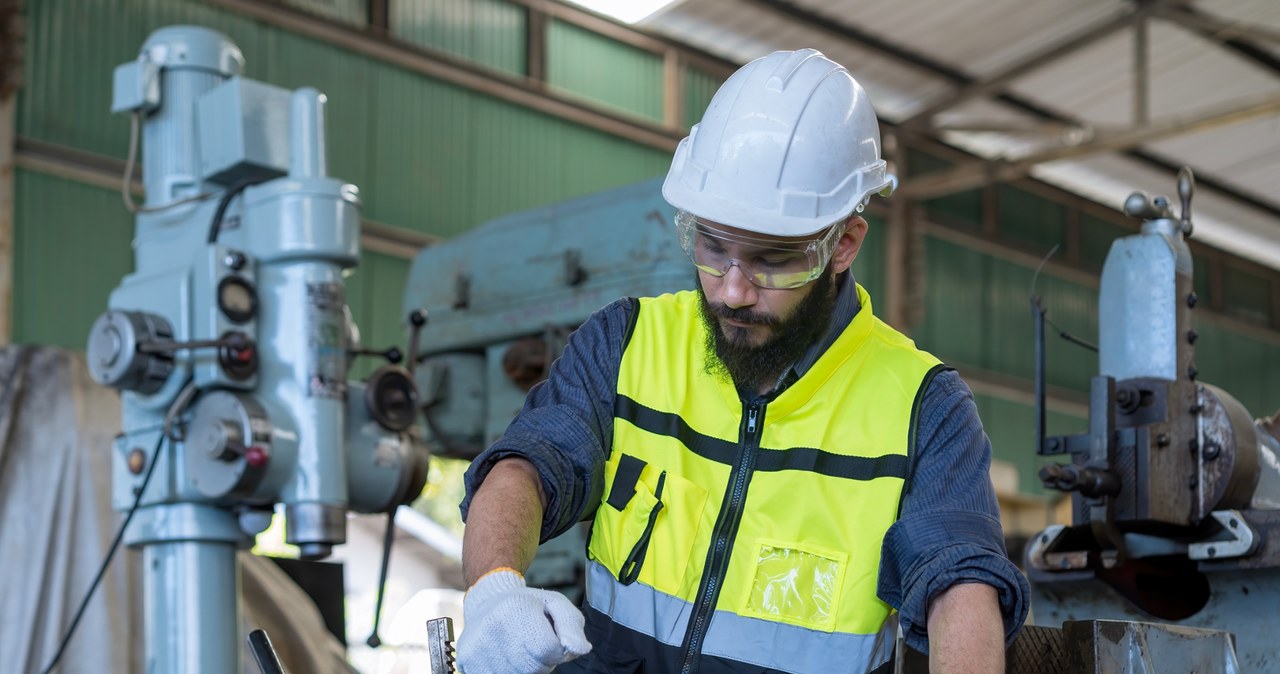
[{"x": 949, "y": 530}]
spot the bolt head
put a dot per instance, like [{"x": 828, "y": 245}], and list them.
[{"x": 136, "y": 460}]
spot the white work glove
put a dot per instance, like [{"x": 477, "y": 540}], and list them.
[{"x": 513, "y": 629}]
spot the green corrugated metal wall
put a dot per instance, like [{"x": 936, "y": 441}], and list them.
[
  {"x": 354, "y": 12},
  {"x": 978, "y": 313},
  {"x": 71, "y": 247},
  {"x": 375, "y": 293},
  {"x": 604, "y": 70},
  {"x": 699, "y": 87},
  {"x": 490, "y": 33},
  {"x": 868, "y": 267}
]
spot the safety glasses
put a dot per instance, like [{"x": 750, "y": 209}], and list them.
[{"x": 768, "y": 263}]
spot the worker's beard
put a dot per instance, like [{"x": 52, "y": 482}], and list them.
[{"x": 753, "y": 367}]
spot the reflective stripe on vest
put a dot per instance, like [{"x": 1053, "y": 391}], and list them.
[
  {"x": 768, "y": 644},
  {"x": 760, "y": 518}
]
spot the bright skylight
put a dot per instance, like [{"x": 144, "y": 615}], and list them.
[{"x": 629, "y": 11}]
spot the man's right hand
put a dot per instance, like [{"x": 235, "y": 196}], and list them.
[{"x": 510, "y": 628}]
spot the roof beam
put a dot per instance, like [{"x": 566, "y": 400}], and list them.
[
  {"x": 923, "y": 63},
  {"x": 997, "y": 81},
  {"x": 1216, "y": 28},
  {"x": 975, "y": 174}
]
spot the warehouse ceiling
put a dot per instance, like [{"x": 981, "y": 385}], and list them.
[{"x": 1099, "y": 98}]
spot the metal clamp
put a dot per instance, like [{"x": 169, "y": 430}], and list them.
[
  {"x": 440, "y": 645},
  {"x": 1235, "y": 539}
]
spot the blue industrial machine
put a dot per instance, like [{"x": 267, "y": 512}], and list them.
[
  {"x": 1175, "y": 488},
  {"x": 503, "y": 298},
  {"x": 231, "y": 341}
]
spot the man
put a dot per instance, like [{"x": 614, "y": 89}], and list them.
[{"x": 771, "y": 470}]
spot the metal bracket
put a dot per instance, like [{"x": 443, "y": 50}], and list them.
[
  {"x": 1042, "y": 557},
  {"x": 1235, "y": 539}
]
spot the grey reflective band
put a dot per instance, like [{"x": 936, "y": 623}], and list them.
[{"x": 764, "y": 643}]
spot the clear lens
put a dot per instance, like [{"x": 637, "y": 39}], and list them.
[{"x": 767, "y": 262}]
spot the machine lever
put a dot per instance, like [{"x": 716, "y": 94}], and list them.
[
  {"x": 391, "y": 353},
  {"x": 264, "y": 653},
  {"x": 232, "y": 340}
]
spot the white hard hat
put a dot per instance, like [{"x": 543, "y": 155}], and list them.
[{"x": 788, "y": 146}]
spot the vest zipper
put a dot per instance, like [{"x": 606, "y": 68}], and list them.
[{"x": 726, "y": 529}]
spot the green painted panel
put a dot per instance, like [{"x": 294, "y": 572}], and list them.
[
  {"x": 346, "y": 80},
  {"x": 1246, "y": 295},
  {"x": 1246, "y": 366},
  {"x": 1096, "y": 237},
  {"x": 1011, "y": 427},
  {"x": 1201, "y": 272},
  {"x": 449, "y": 159},
  {"x": 978, "y": 313},
  {"x": 374, "y": 293},
  {"x": 868, "y": 266},
  {"x": 67, "y": 98},
  {"x": 355, "y": 12},
  {"x": 604, "y": 70},
  {"x": 71, "y": 247},
  {"x": 1029, "y": 220},
  {"x": 422, "y": 136},
  {"x": 962, "y": 210},
  {"x": 699, "y": 88},
  {"x": 491, "y": 33}
]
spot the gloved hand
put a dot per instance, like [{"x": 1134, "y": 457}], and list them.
[{"x": 513, "y": 629}]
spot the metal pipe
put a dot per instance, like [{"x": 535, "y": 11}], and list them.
[
  {"x": 1037, "y": 313},
  {"x": 1141, "y": 74},
  {"x": 7, "y": 135}
]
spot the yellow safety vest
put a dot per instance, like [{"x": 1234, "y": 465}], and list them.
[{"x": 752, "y": 532}]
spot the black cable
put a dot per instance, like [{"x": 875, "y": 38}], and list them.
[
  {"x": 374, "y": 640},
  {"x": 232, "y": 190},
  {"x": 1035, "y": 299},
  {"x": 115, "y": 544}
]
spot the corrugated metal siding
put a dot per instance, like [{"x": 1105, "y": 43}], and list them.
[
  {"x": 73, "y": 47},
  {"x": 868, "y": 267},
  {"x": 978, "y": 313},
  {"x": 960, "y": 209},
  {"x": 492, "y": 33},
  {"x": 1246, "y": 366},
  {"x": 1029, "y": 220},
  {"x": 604, "y": 70},
  {"x": 1096, "y": 237},
  {"x": 354, "y": 12},
  {"x": 374, "y": 293},
  {"x": 1246, "y": 295},
  {"x": 1011, "y": 427},
  {"x": 699, "y": 87},
  {"x": 71, "y": 247},
  {"x": 449, "y": 159},
  {"x": 347, "y": 81}
]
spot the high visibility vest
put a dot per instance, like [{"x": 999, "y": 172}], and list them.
[{"x": 751, "y": 533}]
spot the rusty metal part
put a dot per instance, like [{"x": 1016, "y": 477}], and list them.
[
  {"x": 525, "y": 362},
  {"x": 1228, "y": 446}
]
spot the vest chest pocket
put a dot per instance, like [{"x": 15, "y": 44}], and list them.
[{"x": 646, "y": 523}]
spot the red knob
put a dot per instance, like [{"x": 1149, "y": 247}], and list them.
[{"x": 256, "y": 456}]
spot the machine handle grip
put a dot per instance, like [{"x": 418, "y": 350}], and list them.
[{"x": 264, "y": 653}]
